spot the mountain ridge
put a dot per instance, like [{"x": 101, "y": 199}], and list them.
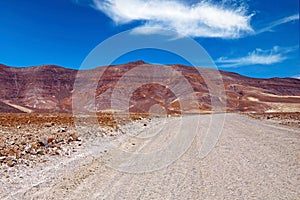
[
  {"x": 49, "y": 88},
  {"x": 140, "y": 62}
]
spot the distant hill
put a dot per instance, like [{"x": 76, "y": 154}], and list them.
[{"x": 49, "y": 88}]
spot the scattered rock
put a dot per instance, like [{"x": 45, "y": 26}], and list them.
[
  {"x": 43, "y": 142},
  {"x": 49, "y": 124},
  {"x": 74, "y": 136},
  {"x": 2, "y": 158},
  {"x": 10, "y": 163},
  {"x": 11, "y": 152},
  {"x": 40, "y": 136},
  {"x": 63, "y": 130},
  {"x": 40, "y": 152},
  {"x": 50, "y": 140}
]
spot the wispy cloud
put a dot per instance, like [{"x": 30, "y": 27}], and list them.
[
  {"x": 257, "y": 57},
  {"x": 203, "y": 19},
  {"x": 296, "y": 76},
  {"x": 279, "y": 22}
]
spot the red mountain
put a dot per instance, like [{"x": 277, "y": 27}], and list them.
[{"x": 49, "y": 88}]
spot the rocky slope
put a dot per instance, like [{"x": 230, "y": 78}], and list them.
[{"x": 49, "y": 88}]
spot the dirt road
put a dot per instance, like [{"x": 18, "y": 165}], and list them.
[{"x": 251, "y": 160}]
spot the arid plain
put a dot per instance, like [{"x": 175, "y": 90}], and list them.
[{"x": 50, "y": 152}]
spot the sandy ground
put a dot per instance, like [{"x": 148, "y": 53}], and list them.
[{"x": 252, "y": 159}]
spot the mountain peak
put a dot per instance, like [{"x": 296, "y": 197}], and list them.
[{"x": 138, "y": 62}]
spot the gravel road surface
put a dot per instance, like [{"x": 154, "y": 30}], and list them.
[{"x": 159, "y": 159}]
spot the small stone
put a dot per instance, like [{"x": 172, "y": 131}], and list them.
[
  {"x": 2, "y": 158},
  {"x": 43, "y": 142},
  {"x": 40, "y": 152},
  {"x": 50, "y": 140},
  {"x": 49, "y": 124},
  {"x": 74, "y": 137},
  {"x": 57, "y": 152},
  {"x": 3, "y": 153},
  {"x": 11, "y": 152},
  {"x": 69, "y": 140},
  {"x": 10, "y": 163}
]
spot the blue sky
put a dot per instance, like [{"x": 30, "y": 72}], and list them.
[{"x": 251, "y": 37}]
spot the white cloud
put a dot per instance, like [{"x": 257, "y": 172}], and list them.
[
  {"x": 296, "y": 76},
  {"x": 258, "y": 57},
  {"x": 203, "y": 19},
  {"x": 278, "y": 22}
]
